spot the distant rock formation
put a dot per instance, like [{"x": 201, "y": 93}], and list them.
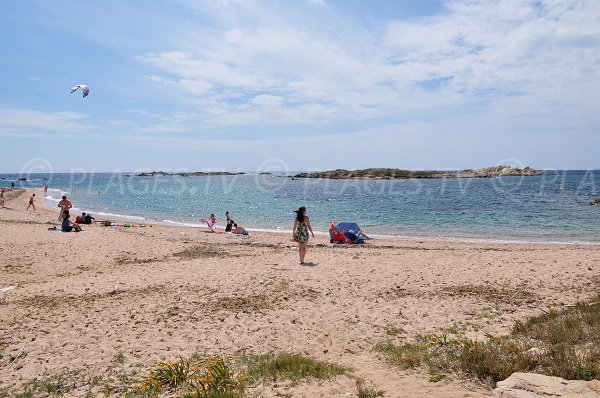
[
  {"x": 498, "y": 171},
  {"x": 191, "y": 174},
  {"x": 595, "y": 202},
  {"x": 529, "y": 385},
  {"x": 389, "y": 174}
]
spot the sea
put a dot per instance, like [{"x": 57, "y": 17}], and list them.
[{"x": 553, "y": 208}]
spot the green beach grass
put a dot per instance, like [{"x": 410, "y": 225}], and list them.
[{"x": 563, "y": 343}]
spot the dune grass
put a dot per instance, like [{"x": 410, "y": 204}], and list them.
[
  {"x": 364, "y": 391},
  {"x": 563, "y": 343},
  {"x": 285, "y": 366},
  {"x": 51, "y": 387},
  {"x": 196, "y": 377}
]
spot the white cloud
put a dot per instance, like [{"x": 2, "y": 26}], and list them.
[
  {"x": 319, "y": 3},
  {"x": 508, "y": 53},
  {"x": 16, "y": 122}
]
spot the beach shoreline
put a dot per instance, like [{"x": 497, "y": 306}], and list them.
[
  {"x": 401, "y": 237},
  {"x": 152, "y": 293}
]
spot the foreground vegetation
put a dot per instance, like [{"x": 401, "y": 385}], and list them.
[
  {"x": 286, "y": 366},
  {"x": 205, "y": 377},
  {"x": 563, "y": 343}
]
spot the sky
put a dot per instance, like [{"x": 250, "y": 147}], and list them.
[{"x": 299, "y": 84}]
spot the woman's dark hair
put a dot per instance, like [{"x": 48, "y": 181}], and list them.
[
  {"x": 300, "y": 214},
  {"x": 64, "y": 197}
]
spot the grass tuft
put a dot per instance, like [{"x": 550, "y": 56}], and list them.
[
  {"x": 119, "y": 358},
  {"x": 563, "y": 343},
  {"x": 51, "y": 387},
  {"x": 286, "y": 366},
  {"x": 363, "y": 391},
  {"x": 196, "y": 377}
]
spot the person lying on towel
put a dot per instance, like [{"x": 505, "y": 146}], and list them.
[{"x": 239, "y": 230}]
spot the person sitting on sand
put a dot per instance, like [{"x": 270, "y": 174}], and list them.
[
  {"x": 211, "y": 222},
  {"x": 239, "y": 230},
  {"x": 88, "y": 219},
  {"x": 362, "y": 234},
  {"x": 2, "y": 199},
  {"x": 31, "y": 202},
  {"x": 67, "y": 225},
  {"x": 79, "y": 219}
]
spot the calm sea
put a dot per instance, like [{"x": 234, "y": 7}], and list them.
[{"x": 552, "y": 208}]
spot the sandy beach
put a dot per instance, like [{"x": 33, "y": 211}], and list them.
[{"x": 156, "y": 292}]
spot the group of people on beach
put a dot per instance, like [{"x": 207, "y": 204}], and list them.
[
  {"x": 65, "y": 217},
  {"x": 300, "y": 232},
  {"x": 231, "y": 226}
]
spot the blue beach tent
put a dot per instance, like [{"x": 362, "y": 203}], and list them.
[{"x": 346, "y": 232}]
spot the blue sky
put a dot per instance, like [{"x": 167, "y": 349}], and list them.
[{"x": 299, "y": 84}]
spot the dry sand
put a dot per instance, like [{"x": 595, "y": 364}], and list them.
[{"x": 157, "y": 292}]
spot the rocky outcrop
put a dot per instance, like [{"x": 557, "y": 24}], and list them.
[
  {"x": 191, "y": 174},
  {"x": 595, "y": 202},
  {"x": 388, "y": 174},
  {"x": 533, "y": 385},
  {"x": 498, "y": 171}
]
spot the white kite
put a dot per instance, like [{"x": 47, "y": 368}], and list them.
[{"x": 83, "y": 87}]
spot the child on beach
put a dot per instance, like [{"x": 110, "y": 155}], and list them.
[
  {"x": 31, "y": 202},
  {"x": 211, "y": 222}
]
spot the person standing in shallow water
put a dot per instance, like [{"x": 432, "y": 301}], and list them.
[{"x": 300, "y": 234}]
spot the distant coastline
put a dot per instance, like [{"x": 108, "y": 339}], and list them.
[
  {"x": 189, "y": 174},
  {"x": 391, "y": 174}
]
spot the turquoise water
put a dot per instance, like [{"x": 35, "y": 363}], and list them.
[{"x": 549, "y": 208}]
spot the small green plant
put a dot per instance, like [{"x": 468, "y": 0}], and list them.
[
  {"x": 393, "y": 331},
  {"x": 119, "y": 358},
  {"x": 1, "y": 352},
  {"x": 563, "y": 343},
  {"x": 436, "y": 378},
  {"x": 54, "y": 386},
  {"x": 363, "y": 391},
  {"x": 406, "y": 355},
  {"x": 286, "y": 366},
  {"x": 106, "y": 390},
  {"x": 209, "y": 377}
]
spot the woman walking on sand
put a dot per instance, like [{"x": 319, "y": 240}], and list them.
[{"x": 300, "y": 234}]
